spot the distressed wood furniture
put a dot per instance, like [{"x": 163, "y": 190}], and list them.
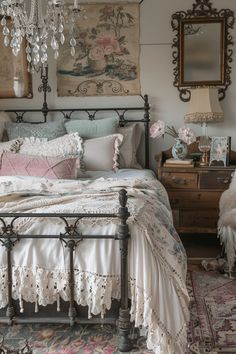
[{"x": 194, "y": 193}]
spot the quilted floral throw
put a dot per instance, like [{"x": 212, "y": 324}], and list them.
[{"x": 102, "y": 57}]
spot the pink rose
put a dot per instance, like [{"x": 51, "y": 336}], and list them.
[
  {"x": 187, "y": 135},
  {"x": 108, "y": 50},
  {"x": 107, "y": 40},
  {"x": 157, "y": 129},
  {"x": 96, "y": 53}
]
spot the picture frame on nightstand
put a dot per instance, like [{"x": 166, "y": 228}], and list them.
[{"x": 220, "y": 148}]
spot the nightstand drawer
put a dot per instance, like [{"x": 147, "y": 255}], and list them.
[
  {"x": 215, "y": 179},
  {"x": 179, "y": 180},
  {"x": 199, "y": 218},
  {"x": 194, "y": 199}
]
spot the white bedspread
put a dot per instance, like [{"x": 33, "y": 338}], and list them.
[{"x": 157, "y": 260}]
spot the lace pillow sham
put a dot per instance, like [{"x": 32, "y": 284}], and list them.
[
  {"x": 50, "y": 130},
  {"x": 102, "y": 154},
  {"x": 37, "y": 166},
  {"x": 89, "y": 129},
  {"x": 11, "y": 146},
  {"x": 67, "y": 145}
]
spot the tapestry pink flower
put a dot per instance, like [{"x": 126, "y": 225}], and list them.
[
  {"x": 108, "y": 50},
  {"x": 108, "y": 42},
  {"x": 96, "y": 53}
]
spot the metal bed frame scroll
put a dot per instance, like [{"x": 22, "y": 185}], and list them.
[{"x": 71, "y": 237}]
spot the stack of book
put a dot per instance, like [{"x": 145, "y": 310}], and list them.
[{"x": 179, "y": 163}]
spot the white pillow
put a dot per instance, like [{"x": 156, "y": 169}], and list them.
[
  {"x": 132, "y": 136},
  {"x": 102, "y": 154},
  {"x": 67, "y": 145}
]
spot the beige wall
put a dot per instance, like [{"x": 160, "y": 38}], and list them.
[{"x": 156, "y": 76}]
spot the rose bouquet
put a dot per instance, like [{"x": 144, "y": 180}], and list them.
[{"x": 184, "y": 133}]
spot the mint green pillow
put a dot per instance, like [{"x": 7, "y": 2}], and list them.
[
  {"x": 49, "y": 130},
  {"x": 89, "y": 129}
]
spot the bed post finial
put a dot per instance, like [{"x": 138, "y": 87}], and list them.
[
  {"x": 125, "y": 344},
  {"x": 146, "y": 127},
  {"x": 44, "y": 87},
  {"x": 146, "y": 103},
  {"x": 123, "y": 198}
]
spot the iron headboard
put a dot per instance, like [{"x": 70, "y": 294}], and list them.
[{"x": 91, "y": 113}]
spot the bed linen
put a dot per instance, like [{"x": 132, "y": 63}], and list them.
[
  {"x": 121, "y": 173},
  {"x": 157, "y": 260}
]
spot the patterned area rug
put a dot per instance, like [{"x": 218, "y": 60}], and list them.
[
  {"x": 212, "y": 328},
  {"x": 61, "y": 339}
]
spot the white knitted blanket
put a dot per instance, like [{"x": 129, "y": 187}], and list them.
[{"x": 157, "y": 260}]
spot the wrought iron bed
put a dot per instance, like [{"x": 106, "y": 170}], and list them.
[{"x": 71, "y": 236}]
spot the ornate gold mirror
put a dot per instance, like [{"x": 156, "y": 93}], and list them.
[{"x": 202, "y": 53}]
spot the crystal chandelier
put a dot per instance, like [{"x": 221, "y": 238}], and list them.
[{"x": 40, "y": 30}]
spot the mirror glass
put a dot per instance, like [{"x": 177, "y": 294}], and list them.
[{"x": 202, "y": 56}]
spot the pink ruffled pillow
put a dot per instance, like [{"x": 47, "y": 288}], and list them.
[{"x": 37, "y": 166}]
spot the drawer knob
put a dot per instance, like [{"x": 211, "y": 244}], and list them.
[
  {"x": 223, "y": 180},
  {"x": 179, "y": 181}
]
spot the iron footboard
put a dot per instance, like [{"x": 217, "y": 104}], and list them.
[{"x": 71, "y": 238}]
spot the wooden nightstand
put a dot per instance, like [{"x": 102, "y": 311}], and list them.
[{"x": 194, "y": 193}]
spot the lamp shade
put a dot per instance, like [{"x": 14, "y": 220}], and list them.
[{"x": 204, "y": 106}]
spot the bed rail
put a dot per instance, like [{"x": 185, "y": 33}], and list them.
[
  {"x": 71, "y": 237},
  {"x": 122, "y": 113}
]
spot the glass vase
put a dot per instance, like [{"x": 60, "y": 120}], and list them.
[{"x": 179, "y": 149}]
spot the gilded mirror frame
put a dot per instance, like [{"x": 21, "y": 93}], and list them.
[{"x": 202, "y": 12}]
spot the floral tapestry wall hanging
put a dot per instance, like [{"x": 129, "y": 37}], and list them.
[{"x": 106, "y": 53}]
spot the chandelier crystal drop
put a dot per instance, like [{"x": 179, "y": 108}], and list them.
[{"x": 40, "y": 30}]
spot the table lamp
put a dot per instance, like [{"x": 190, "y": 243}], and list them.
[{"x": 204, "y": 108}]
